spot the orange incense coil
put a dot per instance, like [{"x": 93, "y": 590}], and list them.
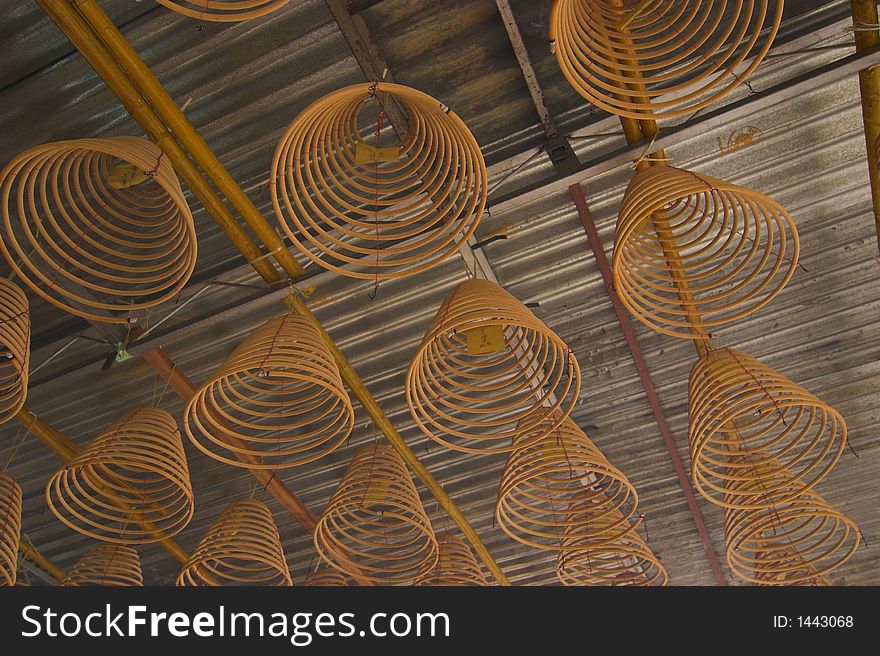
[
  {"x": 15, "y": 348},
  {"x": 106, "y": 564},
  {"x": 278, "y": 397},
  {"x": 375, "y": 526},
  {"x": 732, "y": 248},
  {"x": 456, "y": 565},
  {"x": 97, "y": 227},
  {"x": 129, "y": 485},
  {"x": 223, "y": 11},
  {"x": 799, "y": 576},
  {"x": 750, "y": 423},
  {"x": 797, "y": 539},
  {"x": 488, "y": 369},
  {"x": 660, "y": 58},
  {"x": 10, "y": 528},
  {"x": 372, "y": 207},
  {"x": 562, "y": 485},
  {"x": 625, "y": 561},
  {"x": 243, "y": 547},
  {"x": 326, "y": 577}
]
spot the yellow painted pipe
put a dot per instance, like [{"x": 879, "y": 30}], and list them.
[
  {"x": 382, "y": 423},
  {"x": 150, "y": 87},
  {"x": 865, "y": 24},
  {"x": 65, "y": 449},
  {"x": 29, "y": 551},
  {"x": 103, "y": 62}
]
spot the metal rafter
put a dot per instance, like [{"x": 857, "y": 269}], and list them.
[
  {"x": 867, "y": 34},
  {"x": 561, "y": 154}
]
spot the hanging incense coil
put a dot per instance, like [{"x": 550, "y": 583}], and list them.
[
  {"x": 10, "y": 528},
  {"x": 326, "y": 577},
  {"x": 375, "y": 526},
  {"x": 488, "y": 369},
  {"x": 373, "y": 206},
  {"x": 129, "y": 485},
  {"x": 278, "y": 397},
  {"x": 223, "y": 11},
  {"x": 801, "y": 575},
  {"x": 796, "y": 539},
  {"x": 647, "y": 59},
  {"x": 750, "y": 423},
  {"x": 625, "y": 561},
  {"x": 456, "y": 565},
  {"x": 243, "y": 547},
  {"x": 97, "y": 227},
  {"x": 692, "y": 252},
  {"x": 562, "y": 485},
  {"x": 15, "y": 348},
  {"x": 106, "y": 564}
]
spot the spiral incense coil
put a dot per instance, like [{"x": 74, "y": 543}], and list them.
[
  {"x": 129, "y": 485},
  {"x": 278, "y": 396},
  {"x": 750, "y": 423},
  {"x": 648, "y": 59},
  {"x": 241, "y": 548},
  {"x": 803, "y": 575},
  {"x": 10, "y": 528},
  {"x": 223, "y": 11},
  {"x": 368, "y": 205},
  {"x": 732, "y": 250},
  {"x": 563, "y": 485},
  {"x": 97, "y": 227},
  {"x": 15, "y": 348},
  {"x": 625, "y": 561},
  {"x": 798, "y": 538},
  {"x": 375, "y": 526},
  {"x": 106, "y": 564},
  {"x": 325, "y": 577},
  {"x": 456, "y": 565},
  {"x": 472, "y": 392}
]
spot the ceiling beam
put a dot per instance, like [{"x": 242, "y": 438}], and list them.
[
  {"x": 357, "y": 35},
  {"x": 563, "y": 158},
  {"x": 671, "y": 136},
  {"x": 864, "y": 16}
]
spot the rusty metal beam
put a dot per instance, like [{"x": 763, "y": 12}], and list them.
[
  {"x": 586, "y": 217},
  {"x": 559, "y": 150},
  {"x": 865, "y": 26}
]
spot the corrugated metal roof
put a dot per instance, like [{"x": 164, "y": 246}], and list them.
[{"x": 248, "y": 81}]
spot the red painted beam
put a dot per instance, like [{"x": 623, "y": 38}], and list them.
[{"x": 577, "y": 195}]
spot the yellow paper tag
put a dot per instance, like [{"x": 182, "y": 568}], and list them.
[
  {"x": 367, "y": 154},
  {"x": 126, "y": 175},
  {"x": 484, "y": 340}
]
